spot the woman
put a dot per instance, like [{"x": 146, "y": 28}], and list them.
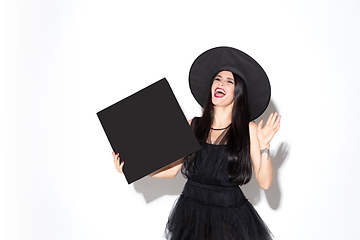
[{"x": 212, "y": 206}]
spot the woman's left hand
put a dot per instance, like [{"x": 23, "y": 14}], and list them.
[{"x": 266, "y": 133}]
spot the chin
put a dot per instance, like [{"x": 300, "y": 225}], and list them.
[{"x": 221, "y": 103}]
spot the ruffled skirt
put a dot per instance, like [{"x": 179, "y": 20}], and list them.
[{"x": 204, "y": 212}]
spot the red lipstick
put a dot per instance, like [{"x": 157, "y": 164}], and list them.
[{"x": 219, "y": 92}]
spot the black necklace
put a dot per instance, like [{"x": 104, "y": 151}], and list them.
[{"x": 220, "y": 128}]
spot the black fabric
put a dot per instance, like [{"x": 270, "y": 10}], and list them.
[{"x": 211, "y": 207}]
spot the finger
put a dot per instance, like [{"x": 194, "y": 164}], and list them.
[
  {"x": 260, "y": 125},
  {"x": 269, "y": 119},
  {"x": 277, "y": 124},
  {"x": 117, "y": 165},
  {"x": 116, "y": 159},
  {"x": 113, "y": 154},
  {"x": 273, "y": 118},
  {"x": 277, "y": 128},
  {"x": 278, "y": 120},
  {"x": 121, "y": 166}
]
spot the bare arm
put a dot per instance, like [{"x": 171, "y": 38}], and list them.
[
  {"x": 169, "y": 171},
  {"x": 260, "y": 149}
]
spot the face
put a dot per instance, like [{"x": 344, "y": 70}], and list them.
[{"x": 222, "y": 89}]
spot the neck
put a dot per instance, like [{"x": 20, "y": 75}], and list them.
[{"x": 222, "y": 116}]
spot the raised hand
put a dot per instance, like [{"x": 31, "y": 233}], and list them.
[
  {"x": 266, "y": 133},
  {"x": 118, "y": 165}
]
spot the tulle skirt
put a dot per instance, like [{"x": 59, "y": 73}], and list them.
[{"x": 204, "y": 212}]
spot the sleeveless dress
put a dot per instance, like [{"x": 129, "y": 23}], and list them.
[{"x": 210, "y": 206}]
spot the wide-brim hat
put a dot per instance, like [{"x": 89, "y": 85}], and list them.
[{"x": 215, "y": 60}]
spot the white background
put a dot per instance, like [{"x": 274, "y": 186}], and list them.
[{"x": 63, "y": 61}]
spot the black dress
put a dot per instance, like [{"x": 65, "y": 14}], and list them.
[{"x": 211, "y": 207}]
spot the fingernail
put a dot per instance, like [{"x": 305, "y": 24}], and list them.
[{"x": 122, "y": 162}]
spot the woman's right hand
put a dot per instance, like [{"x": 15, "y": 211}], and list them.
[{"x": 118, "y": 165}]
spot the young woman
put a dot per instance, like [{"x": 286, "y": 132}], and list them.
[{"x": 212, "y": 206}]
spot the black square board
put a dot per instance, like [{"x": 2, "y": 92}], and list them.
[{"x": 149, "y": 130}]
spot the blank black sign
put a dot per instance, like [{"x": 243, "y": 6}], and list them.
[{"x": 149, "y": 130}]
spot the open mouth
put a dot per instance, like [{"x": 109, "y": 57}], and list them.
[{"x": 219, "y": 93}]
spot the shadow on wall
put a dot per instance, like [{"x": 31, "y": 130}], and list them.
[
  {"x": 252, "y": 190},
  {"x": 153, "y": 188}
]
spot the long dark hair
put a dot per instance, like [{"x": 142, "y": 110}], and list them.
[{"x": 238, "y": 139}]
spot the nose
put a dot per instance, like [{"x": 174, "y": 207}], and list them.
[{"x": 221, "y": 82}]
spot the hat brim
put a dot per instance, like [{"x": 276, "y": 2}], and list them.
[{"x": 231, "y": 59}]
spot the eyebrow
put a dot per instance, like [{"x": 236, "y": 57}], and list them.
[{"x": 227, "y": 78}]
